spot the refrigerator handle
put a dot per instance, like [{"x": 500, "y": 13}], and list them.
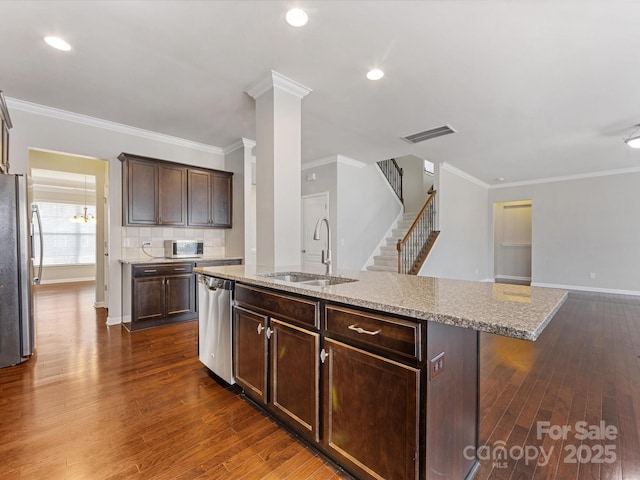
[{"x": 35, "y": 210}]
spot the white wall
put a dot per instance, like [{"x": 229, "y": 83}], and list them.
[
  {"x": 415, "y": 182},
  {"x": 362, "y": 207},
  {"x": 366, "y": 207},
  {"x": 460, "y": 251},
  {"x": 326, "y": 180},
  {"x": 50, "y": 129},
  {"x": 68, "y": 273},
  {"x": 583, "y": 226}
]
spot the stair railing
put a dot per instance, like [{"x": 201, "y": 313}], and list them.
[
  {"x": 417, "y": 243},
  {"x": 394, "y": 173}
]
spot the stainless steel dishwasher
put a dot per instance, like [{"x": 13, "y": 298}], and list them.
[{"x": 215, "y": 296}]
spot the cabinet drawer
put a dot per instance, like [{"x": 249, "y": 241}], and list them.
[
  {"x": 218, "y": 263},
  {"x": 299, "y": 310},
  {"x": 154, "y": 269},
  {"x": 386, "y": 333}
]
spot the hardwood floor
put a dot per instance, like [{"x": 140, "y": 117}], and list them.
[
  {"x": 584, "y": 367},
  {"x": 98, "y": 402}
]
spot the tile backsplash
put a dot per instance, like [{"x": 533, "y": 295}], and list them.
[{"x": 134, "y": 237}]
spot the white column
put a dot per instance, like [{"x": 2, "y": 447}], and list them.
[{"x": 278, "y": 154}]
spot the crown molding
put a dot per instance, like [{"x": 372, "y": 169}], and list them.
[
  {"x": 333, "y": 159},
  {"x": 350, "y": 161},
  {"x": 65, "y": 115},
  {"x": 274, "y": 79},
  {"x": 248, "y": 143},
  {"x": 242, "y": 143},
  {"x": 566, "y": 178},
  {"x": 462, "y": 174},
  {"x": 318, "y": 163}
]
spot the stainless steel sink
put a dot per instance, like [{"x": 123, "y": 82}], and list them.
[{"x": 308, "y": 278}]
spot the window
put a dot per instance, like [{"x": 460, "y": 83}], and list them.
[
  {"x": 66, "y": 243},
  {"x": 428, "y": 167}
]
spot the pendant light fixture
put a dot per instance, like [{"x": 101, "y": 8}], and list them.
[
  {"x": 85, "y": 217},
  {"x": 633, "y": 139}
]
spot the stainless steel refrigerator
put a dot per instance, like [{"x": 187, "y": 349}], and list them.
[{"x": 17, "y": 273}]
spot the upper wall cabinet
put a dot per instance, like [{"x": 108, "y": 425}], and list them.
[
  {"x": 209, "y": 194},
  {"x": 154, "y": 192},
  {"x": 157, "y": 192}
]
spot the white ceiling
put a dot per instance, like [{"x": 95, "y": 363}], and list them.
[{"x": 535, "y": 89}]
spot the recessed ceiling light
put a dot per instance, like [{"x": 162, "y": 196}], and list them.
[
  {"x": 57, "y": 42},
  {"x": 375, "y": 74},
  {"x": 296, "y": 17},
  {"x": 500, "y": 179}
]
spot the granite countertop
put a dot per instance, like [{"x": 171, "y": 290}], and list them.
[
  {"x": 511, "y": 310},
  {"x": 143, "y": 260}
]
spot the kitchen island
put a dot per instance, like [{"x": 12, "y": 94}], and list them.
[{"x": 381, "y": 373}]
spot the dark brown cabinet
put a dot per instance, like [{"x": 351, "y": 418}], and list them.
[
  {"x": 398, "y": 396},
  {"x": 295, "y": 377},
  {"x": 277, "y": 362},
  {"x": 160, "y": 294},
  {"x": 250, "y": 347},
  {"x": 372, "y": 361},
  {"x": 371, "y": 412},
  {"x": 157, "y": 192},
  {"x": 154, "y": 193},
  {"x": 209, "y": 194}
]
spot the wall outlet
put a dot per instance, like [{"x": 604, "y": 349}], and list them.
[
  {"x": 436, "y": 366},
  {"x": 592, "y": 275}
]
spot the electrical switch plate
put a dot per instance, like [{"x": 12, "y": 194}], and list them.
[{"x": 436, "y": 366}]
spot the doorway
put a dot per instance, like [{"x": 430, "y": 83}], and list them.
[
  {"x": 67, "y": 185},
  {"x": 512, "y": 241},
  {"x": 314, "y": 206}
]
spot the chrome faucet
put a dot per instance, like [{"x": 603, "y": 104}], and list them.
[{"x": 326, "y": 259}]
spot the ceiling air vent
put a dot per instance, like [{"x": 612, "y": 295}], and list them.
[{"x": 429, "y": 134}]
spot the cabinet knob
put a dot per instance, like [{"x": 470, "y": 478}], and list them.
[
  {"x": 323, "y": 355},
  {"x": 260, "y": 328},
  {"x": 269, "y": 332}
]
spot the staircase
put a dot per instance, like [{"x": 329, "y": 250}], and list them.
[
  {"x": 387, "y": 260},
  {"x": 413, "y": 237}
]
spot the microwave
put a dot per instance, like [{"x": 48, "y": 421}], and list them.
[{"x": 183, "y": 249}]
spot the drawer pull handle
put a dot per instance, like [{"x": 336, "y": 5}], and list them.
[
  {"x": 362, "y": 330},
  {"x": 179, "y": 269},
  {"x": 150, "y": 271}
]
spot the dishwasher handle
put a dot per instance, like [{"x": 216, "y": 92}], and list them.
[{"x": 213, "y": 283}]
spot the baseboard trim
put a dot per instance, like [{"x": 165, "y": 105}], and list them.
[
  {"x": 514, "y": 277},
  {"x": 114, "y": 321},
  {"x": 68, "y": 280},
  {"x": 581, "y": 288}
]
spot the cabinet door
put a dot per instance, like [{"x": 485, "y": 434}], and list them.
[
  {"x": 295, "y": 371},
  {"x": 142, "y": 193},
  {"x": 180, "y": 294},
  {"x": 250, "y": 347},
  {"x": 371, "y": 412},
  {"x": 221, "y": 196},
  {"x": 148, "y": 293},
  {"x": 172, "y": 198},
  {"x": 199, "y": 198}
]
